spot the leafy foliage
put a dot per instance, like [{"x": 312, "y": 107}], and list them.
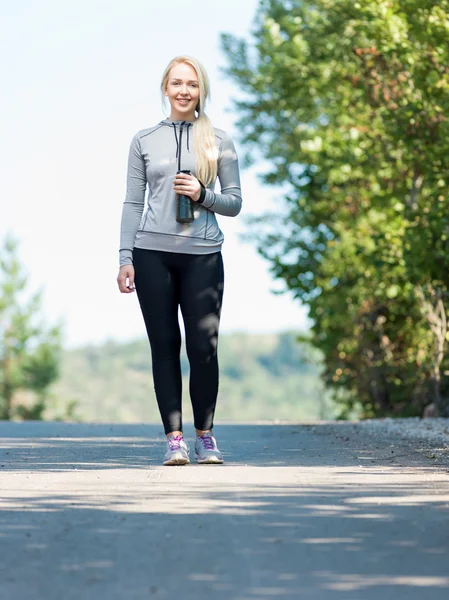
[
  {"x": 348, "y": 102},
  {"x": 29, "y": 351}
]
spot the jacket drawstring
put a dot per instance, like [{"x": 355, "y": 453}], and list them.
[{"x": 176, "y": 138}]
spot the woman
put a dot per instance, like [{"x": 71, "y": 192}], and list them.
[{"x": 175, "y": 264}]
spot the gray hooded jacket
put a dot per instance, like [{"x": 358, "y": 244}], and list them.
[{"x": 153, "y": 160}]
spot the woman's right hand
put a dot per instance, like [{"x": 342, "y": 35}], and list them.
[{"x": 125, "y": 279}]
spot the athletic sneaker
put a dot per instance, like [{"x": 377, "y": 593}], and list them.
[
  {"x": 206, "y": 451},
  {"x": 177, "y": 451}
]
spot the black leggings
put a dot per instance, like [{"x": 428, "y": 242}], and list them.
[{"x": 164, "y": 281}]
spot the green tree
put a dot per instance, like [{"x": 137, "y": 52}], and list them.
[
  {"x": 29, "y": 350},
  {"x": 348, "y": 101}
]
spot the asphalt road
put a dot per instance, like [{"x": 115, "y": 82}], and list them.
[{"x": 323, "y": 512}]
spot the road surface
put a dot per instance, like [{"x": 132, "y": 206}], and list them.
[{"x": 323, "y": 511}]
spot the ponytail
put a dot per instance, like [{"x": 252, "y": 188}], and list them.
[{"x": 206, "y": 151}]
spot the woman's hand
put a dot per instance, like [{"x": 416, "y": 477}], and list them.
[
  {"x": 188, "y": 185},
  {"x": 125, "y": 279}
]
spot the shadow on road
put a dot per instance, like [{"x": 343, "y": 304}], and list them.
[{"x": 67, "y": 446}]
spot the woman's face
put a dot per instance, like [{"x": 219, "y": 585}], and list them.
[{"x": 183, "y": 91}]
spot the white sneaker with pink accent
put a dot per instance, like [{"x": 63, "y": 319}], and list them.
[
  {"x": 177, "y": 451},
  {"x": 206, "y": 450}
]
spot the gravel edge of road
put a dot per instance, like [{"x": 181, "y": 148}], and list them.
[{"x": 419, "y": 441}]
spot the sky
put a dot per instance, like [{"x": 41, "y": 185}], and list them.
[{"x": 79, "y": 80}]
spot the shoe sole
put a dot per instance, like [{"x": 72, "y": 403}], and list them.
[
  {"x": 176, "y": 461},
  {"x": 212, "y": 460}
]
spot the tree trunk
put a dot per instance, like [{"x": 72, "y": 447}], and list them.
[
  {"x": 436, "y": 317},
  {"x": 6, "y": 395}
]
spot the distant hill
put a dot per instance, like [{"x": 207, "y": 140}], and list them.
[{"x": 261, "y": 377}]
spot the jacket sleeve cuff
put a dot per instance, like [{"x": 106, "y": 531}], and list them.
[
  {"x": 126, "y": 257},
  {"x": 202, "y": 194}
]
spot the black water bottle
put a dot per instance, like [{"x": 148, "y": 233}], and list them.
[{"x": 184, "y": 206}]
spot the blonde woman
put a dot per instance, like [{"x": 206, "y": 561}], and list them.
[{"x": 173, "y": 259}]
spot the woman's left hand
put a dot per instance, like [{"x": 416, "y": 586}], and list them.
[{"x": 188, "y": 185}]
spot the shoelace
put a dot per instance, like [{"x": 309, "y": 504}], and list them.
[
  {"x": 175, "y": 442},
  {"x": 208, "y": 442}
]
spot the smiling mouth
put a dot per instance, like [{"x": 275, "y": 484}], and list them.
[{"x": 183, "y": 101}]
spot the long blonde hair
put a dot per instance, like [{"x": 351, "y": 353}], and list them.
[{"x": 204, "y": 142}]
